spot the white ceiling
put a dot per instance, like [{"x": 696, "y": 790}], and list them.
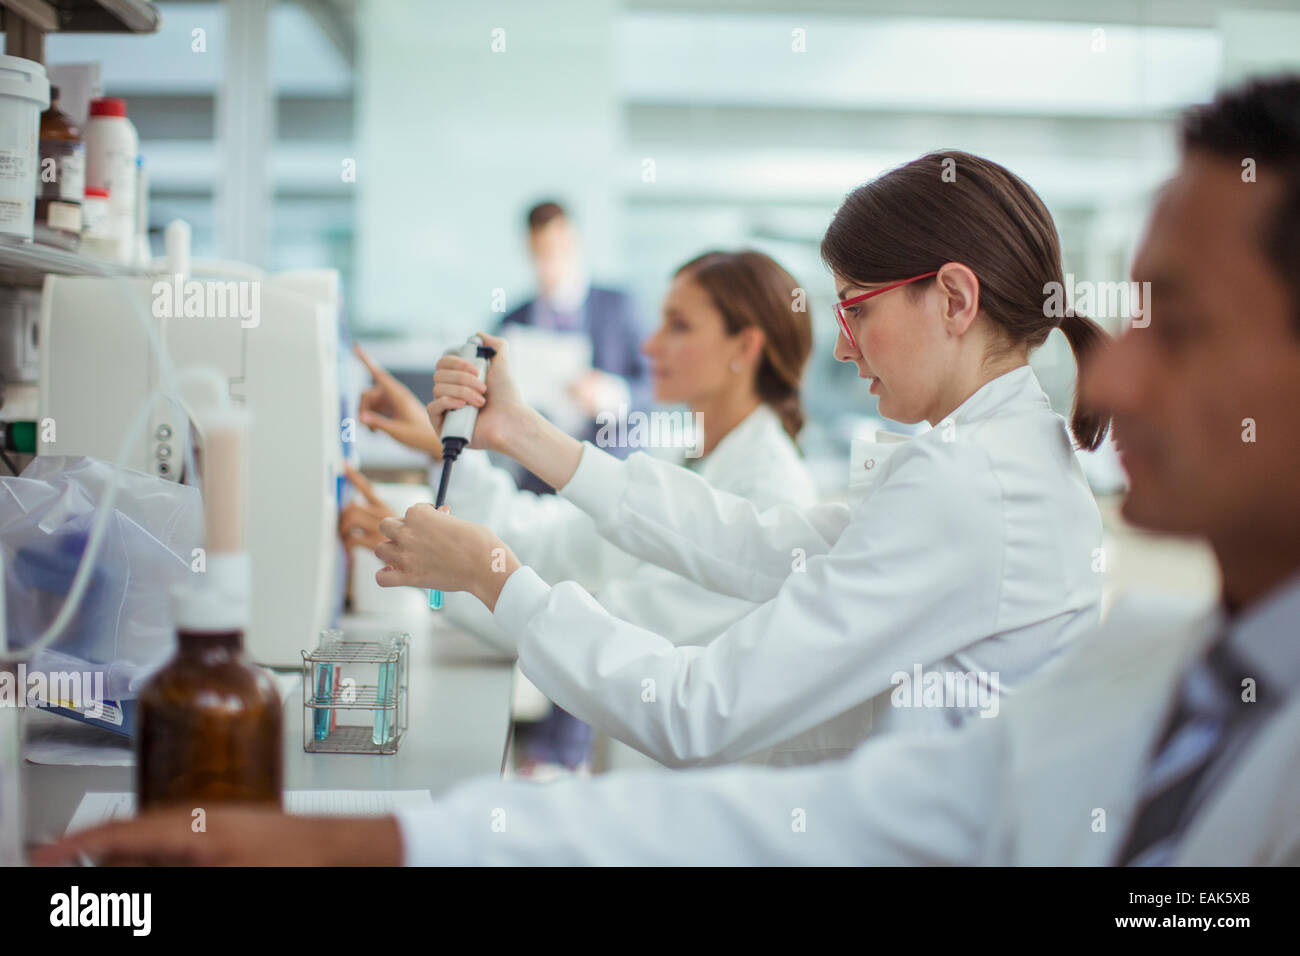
[{"x": 908, "y": 64}]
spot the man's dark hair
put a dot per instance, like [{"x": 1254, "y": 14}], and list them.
[
  {"x": 1260, "y": 120},
  {"x": 545, "y": 213}
]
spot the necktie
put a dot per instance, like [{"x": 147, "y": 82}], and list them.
[{"x": 1209, "y": 708}]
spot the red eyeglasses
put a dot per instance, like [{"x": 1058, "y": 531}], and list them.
[{"x": 839, "y": 306}]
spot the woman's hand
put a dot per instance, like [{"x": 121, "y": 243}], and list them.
[
  {"x": 232, "y": 836},
  {"x": 428, "y": 548},
  {"x": 505, "y": 423},
  {"x": 391, "y": 407},
  {"x": 501, "y": 409},
  {"x": 359, "y": 521}
]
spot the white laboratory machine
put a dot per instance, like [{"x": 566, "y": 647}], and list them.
[{"x": 97, "y": 368}]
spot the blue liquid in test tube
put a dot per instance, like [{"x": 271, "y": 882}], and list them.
[
  {"x": 324, "y": 688},
  {"x": 383, "y": 722}
]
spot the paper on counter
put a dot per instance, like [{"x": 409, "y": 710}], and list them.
[
  {"x": 53, "y": 739},
  {"x": 97, "y": 808}
]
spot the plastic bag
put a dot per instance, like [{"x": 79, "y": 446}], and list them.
[{"x": 124, "y": 626}]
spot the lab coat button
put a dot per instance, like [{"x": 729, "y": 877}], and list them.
[{"x": 869, "y": 464}]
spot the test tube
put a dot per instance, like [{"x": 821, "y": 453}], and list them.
[
  {"x": 383, "y": 721},
  {"x": 324, "y": 687}
]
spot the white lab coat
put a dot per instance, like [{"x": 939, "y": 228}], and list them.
[
  {"x": 970, "y": 548},
  {"x": 1022, "y": 788},
  {"x": 756, "y": 460}
]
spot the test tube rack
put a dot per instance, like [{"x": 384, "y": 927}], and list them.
[{"x": 355, "y": 695}]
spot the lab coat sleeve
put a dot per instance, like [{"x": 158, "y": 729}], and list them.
[
  {"x": 680, "y": 610},
  {"x": 667, "y": 604},
  {"x": 914, "y": 578},
  {"x": 898, "y": 800},
  {"x": 650, "y": 597},
  {"x": 672, "y": 517},
  {"x": 642, "y": 594},
  {"x": 545, "y": 532}
]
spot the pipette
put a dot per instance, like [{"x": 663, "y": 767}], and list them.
[{"x": 458, "y": 427}]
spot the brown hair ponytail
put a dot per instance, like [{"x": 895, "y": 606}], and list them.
[
  {"x": 750, "y": 289},
  {"x": 952, "y": 206},
  {"x": 1085, "y": 337}
]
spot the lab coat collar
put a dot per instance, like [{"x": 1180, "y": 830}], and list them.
[
  {"x": 1017, "y": 388},
  {"x": 754, "y": 432}
]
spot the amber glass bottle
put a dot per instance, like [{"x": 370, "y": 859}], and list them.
[
  {"x": 61, "y": 178},
  {"x": 209, "y": 727}
]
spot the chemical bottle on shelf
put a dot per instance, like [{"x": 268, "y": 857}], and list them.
[
  {"x": 61, "y": 180},
  {"x": 111, "y": 150}
]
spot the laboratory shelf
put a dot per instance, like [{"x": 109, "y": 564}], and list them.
[
  {"x": 28, "y": 263},
  {"x": 85, "y": 16}
]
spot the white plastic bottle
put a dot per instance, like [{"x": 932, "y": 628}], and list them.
[
  {"x": 24, "y": 94},
  {"x": 111, "y": 149}
]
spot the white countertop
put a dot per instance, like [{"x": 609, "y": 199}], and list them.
[{"x": 460, "y": 693}]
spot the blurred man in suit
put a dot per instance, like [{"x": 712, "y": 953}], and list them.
[{"x": 568, "y": 304}]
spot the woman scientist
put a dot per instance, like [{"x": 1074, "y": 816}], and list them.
[
  {"x": 732, "y": 346},
  {"x": 963, "y": 563}
]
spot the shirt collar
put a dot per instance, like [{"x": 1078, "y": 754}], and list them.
[
  {"x": 571, "y": 295},
  {"x": 1264, "y": 636}
]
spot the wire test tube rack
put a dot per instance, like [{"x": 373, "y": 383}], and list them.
[{"x": 355, "y": 694}]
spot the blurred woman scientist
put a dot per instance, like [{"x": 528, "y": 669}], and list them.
[
  {"x": 964, "y": 562},
  {"x": 734, "y": 339}
]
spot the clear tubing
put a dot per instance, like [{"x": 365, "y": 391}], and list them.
[{"x": 169, "y": 389}]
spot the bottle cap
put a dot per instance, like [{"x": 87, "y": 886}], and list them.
[
  {"x": 218, "y": 599},
  {"x": 108, "y": 106}
]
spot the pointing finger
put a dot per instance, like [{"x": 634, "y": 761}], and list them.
[
  {"x": 363, "y": 485},
  {"x": 377, "y": 371}
]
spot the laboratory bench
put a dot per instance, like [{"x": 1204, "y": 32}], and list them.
[{"x": 460, "y": 696}]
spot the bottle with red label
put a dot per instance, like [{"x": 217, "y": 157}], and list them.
[{"x": 111, "y": 150}]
